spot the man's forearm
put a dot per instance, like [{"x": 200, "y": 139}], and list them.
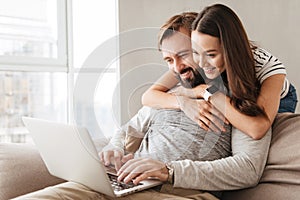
[
  {"x": 133, "y": 131},
  {"x": 243, "y": 169}
]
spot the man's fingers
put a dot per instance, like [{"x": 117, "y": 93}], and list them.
[
  {"x": 107, "y": 155},
  {"x": 117, "y": 159},
  {"x": 127, "y": 157},
  {"x": 146, "y": 175},
  {"x": 127, "y": 168},
  {"x": 101, "y": 156},
  {"x": 140, "y": 178},
  {"x": 143, "y": 170},
  {"x": 131, "y": 176},
  {"x": 112, "y": 157},
  {"x": 140, "y": 169},
  {"x": 135, "y": 167}
]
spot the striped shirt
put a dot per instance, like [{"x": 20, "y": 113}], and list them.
[{"x": 267, "y": 65}]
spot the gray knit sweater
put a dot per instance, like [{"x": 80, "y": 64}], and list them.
[{"x": 168, "y": 135}]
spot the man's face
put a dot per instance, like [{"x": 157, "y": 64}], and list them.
[{"x": 177, "y": 52}]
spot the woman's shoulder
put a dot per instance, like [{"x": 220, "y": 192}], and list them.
[
  {"x": 261, "y": 55},
  {"x": 263, "y": 58}
]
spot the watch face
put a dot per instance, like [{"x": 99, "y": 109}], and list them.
[{"x": 212, "y": 89}]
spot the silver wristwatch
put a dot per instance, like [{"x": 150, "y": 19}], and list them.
[
  {"x": 170, "y": 173},
  {"x": 209, "y": 92}
]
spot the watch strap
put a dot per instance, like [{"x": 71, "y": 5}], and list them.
[
  {"x": 206, "y": 95},
  {"x": 209, "y": 92},
  {"x": 170, "y": 173}
]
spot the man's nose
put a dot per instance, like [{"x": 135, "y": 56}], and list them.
[{"x": 178, "y": 66}]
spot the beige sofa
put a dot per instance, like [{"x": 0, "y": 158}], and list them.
[{"x": 22, "y": 170}]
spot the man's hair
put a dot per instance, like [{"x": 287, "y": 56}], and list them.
[{"x": 183, "y": 20}]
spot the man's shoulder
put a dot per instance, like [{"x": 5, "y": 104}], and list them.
[{"x": 147, "y": 109}]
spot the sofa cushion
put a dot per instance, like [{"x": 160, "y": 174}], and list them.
[
  {"x": 22, "y": 170},
  {"x": 281, "y": 177}
]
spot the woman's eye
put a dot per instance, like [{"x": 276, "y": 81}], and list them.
[{"x": 211, "y": 55}]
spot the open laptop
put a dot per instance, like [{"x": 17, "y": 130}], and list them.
[{"x": 69, "y": 153}]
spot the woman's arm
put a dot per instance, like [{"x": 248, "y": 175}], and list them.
[
  {"x": 157, "y": 97},
  {"x": 269, "y": 99},
  {"x": 198, "y": 110}
]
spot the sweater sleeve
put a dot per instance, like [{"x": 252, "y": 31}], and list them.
[
  {"x": 241, "y": 170},
  {"x": 134, "y": 130}
]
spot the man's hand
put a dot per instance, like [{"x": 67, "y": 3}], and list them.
[
  {"x": 139, "y": 169},
  {"x": 114, "y": 157},
  {"x": 203, "y": 113}
]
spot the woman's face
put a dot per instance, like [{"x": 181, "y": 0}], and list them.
[{"x": 207, "y": 52}]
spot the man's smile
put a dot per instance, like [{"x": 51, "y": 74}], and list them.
[{"x": 186, "y": 73}]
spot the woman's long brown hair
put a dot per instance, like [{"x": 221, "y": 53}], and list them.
[{"x": 220, "y": 21}]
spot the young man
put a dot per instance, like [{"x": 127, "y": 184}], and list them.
[{"x": 241, "y": 170}]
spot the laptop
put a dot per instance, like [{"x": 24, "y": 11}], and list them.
[{"x": 69, "y": 153}]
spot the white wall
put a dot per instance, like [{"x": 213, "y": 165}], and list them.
[{"x": 272, "y": 24}]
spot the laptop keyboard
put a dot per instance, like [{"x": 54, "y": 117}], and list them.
[{"x": 118, "y": 186}]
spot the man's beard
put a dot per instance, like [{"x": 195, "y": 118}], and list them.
[{"x": 195, "y": 80}]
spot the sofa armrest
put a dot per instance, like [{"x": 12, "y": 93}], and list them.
[
  {"x": 281, "y": 177},
  {"x": 22, "y": 170}
]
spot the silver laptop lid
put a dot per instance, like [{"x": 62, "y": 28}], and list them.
[{"x": 69, "y": 153}]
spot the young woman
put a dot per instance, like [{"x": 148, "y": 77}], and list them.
[{"x": 256, "y": 79}]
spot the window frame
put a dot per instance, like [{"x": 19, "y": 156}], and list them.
[
  {"x": 64, "y": 62},
  {"x": 59, "y": 64}
]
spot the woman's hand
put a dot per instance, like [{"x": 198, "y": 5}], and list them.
[
  {"x": 196, "y": 92},
  {"x": 114, "y": 157},
  {"x": 139, "y": 169},
  {"x": 203, "y": 113}
]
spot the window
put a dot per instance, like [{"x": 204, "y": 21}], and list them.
[
  {"x": 33, "y": 33},
  {"x": 97, "y": 112},
  {"x": 35, "y": 94},
  {"x": 38, "y": 75}
]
